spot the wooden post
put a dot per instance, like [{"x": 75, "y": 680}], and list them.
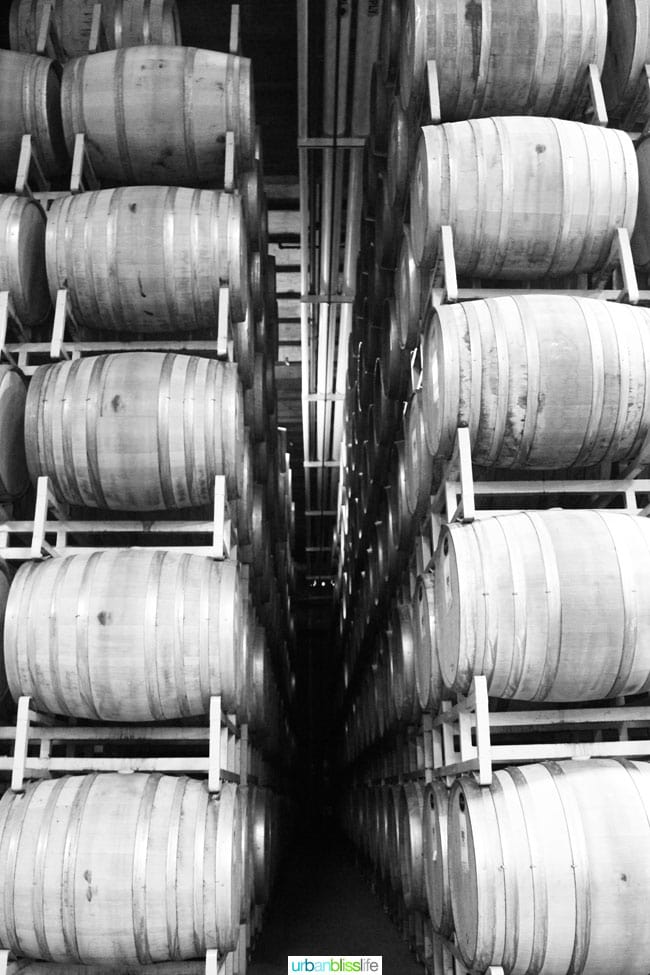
[
  {"x": 596, "y": 96},
  {"x": 98, "y": 40},
  {"x": 21, "y": 746},
  {"x": 235, "y": 36},
  {"x": 29, "y": 165},
  {"x": 224, "y": 321},
  {"x": 83, "y": 175},
  {"x": 214, "y": 753},
  {"x": 433, "y": 90}
]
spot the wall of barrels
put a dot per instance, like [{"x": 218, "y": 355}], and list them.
[
  {"x": 146, "y": 525},
  {"x": 492, "y": 540}
]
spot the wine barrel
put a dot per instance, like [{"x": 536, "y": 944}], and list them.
[
  {"x": 542, "y": 381},
  {"x": 402, "y": 664},
  {"x": 408, "y": 289},
  {"x": 526, "y": 198},
  {"x": 582, "y": 826},
  {"x": 411, "y": 805},
  {"x": 133, "y": 868},
  {"x": 134, "y": 107},
  {"x": 420, "y": 475},
  {"x": 127, "y": 23},
  {"x": 14, "y": 476},
  {"x": 22, "y": 259},
  {"x": 136, "y": 431},
  {"x": 126, "y": 635},
  {"x": 402, "y": 135},
  {"x": 30, "y": 104},
  {"x": 428, "y": 678},
  {"x": 495, "y": 58},
  {"x": 436, "y": 867},
  {"x": 515, "y": 598},
  {"x": 628, "y": 51},
  {"x": 395, "y": 366},
  {"x": 26, "y": 967},
  {"x": 389, "y": 39},
  {"x": 148, "y": 258},
  {"x": 641, "y": 235}
]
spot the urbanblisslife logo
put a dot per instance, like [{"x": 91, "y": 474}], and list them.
[{"x": 326, "y": 963}]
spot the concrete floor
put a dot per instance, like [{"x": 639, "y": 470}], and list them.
[{"x": 322, "y": 905}]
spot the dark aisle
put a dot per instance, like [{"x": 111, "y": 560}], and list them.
[{"x": 323, "y": 905}]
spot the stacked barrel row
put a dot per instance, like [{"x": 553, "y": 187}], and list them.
[
  {"x": 144, "y": 634},
  {"x": 550, "y": 386}
]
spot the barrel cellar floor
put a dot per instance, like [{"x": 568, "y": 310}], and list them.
[{"x": 321, "y": 905}]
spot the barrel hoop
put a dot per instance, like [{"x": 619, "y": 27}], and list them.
[
  {"x": 146, "y": 22},
  {"x": 506, "y": 158},
  {"x": 180, "y": 588},
  {"x": 209, "y": 656},
  {"x": 585, "y": 453},
  {"x": 171, "y": 869},
  {"x": 471, "y": 313},
  {"x": 139, "y": 875},
  {"x": 69, "y": 866},
  {"x": 27, "y": 85},
  {"x": 630, "y": 603},
  {"x": 53, "y": 643},
  {"x": 520, "y": 612},
  {"x": 199, "y": 857},
  {"x": 189, "y": 404},
  {"x": 483, "y": 74},
  {"x": 17, "y": 815},
  {"x": 118, "y": 316},
  {"x": 45, "y": 420},
  {"x": 39, "y": 886},
  {"x": 625, "y": 368},
  {"x": 188, "y": 112},
  {"x": 195, "y": 208},
  {"x": 163, "y": 432},
  {"x": 213, "y": 407},
  {"x": 150, "y": 635},
  {"x": 503, "y": 382},
  {"x": 96, "y": 383},
  {"x": 120, "y": 115},
  {"x": 553, "y": 601},
  {"x": 579, "y": 865},
  {"x": 641, "y": 446},
  {"x": 168, "y": 209},
  {"x": 527, "y": 439},
  {"x": 500, "y": 793},
  {"x": 537, "y": 867},
  {"x": 82, "y": 632},
  {"x": 64, "y": 477},
  {"x": 11, "y": 226},
  {"x": 589, "y": 134},
  {"x": 540, "y": 23}
]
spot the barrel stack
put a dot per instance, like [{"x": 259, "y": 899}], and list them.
[
  {"x": 148, "y": 625},
  {"x": 488, "y": 639}
]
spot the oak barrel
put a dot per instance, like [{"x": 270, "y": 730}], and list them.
[
  {"x": 628, "y": 51},
  {"x": 408, "y": 291},
  {"x": 126, "y": 23},
  {"x": 148, "y": 258},
  {"x": 411, "y": 858},
  {"x": 428, "y": 677},
  {"x": 110, "y": 868},
  {"x": 526, "y": 198},
  {"x": 435, "y": 847},
  {"x": 496, "y": 58},
  {"x": 541, "y": 381},
  {"x": 22, "y": 259},
  {"x": 550, "y": 868},
  {"x": 136, "y": 431},
  {"x": 516, "y": 599},
  {"x": 134, "y": 107},
  {"x": 30, "y": 105},
  {"x": 126, "y": 635},
  {"x": 14, "y": 476}
]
